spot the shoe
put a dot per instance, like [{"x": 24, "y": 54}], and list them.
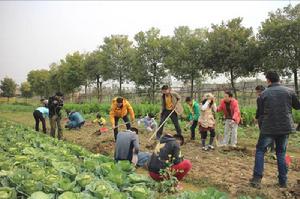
[
  {"x": 211, "y": 147},
  {"x": 204, "y": 148},
  {"x": 233, "y": 145},
  {"x": 255, "y": 182}
]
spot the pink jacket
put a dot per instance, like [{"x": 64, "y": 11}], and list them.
[{"x": 234, "y": 107}]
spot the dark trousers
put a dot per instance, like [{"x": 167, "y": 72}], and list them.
[
  {"x": 193, "y": 128},
  {"x": 174, "y": 118},
  {"x": 55, "y": 122},
  {"x": 263, "y": 142},
  {"x": 38, "y": 116},
  {"x": 204, "y": 136},
  {"x": 125, "y": 119}
]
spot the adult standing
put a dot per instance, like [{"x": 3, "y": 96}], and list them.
[
  {"x": 193, "y": 116},
  {"x": 55, "y": 104},
  {"x": 40, "y": 114},
  {"x": 276, "y": 105},
  {"x": 120, "y": 108},
  {"x": 230, "y": 107},
  {"x": 207, "y": 120},
  {"x": 170, "y": 104}
]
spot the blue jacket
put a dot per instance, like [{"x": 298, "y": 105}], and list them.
[
  {"x": 76, "y": 117},
  {"x": 44, "y": 111}
]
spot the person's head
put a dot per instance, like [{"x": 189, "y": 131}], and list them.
[
  {"x": 119, "y": 102},
  {"x": 189, "y": 101},
  {"x": 59, "y": 95},
  {"x": 227, "y": 96},
  {"x": 151, "y": 115},
  {"x": 135, "y": 130},
  {"x": 208, "y": 96},
  {"x": 179, "y": 139},
  {"x": 272, "y": 77},
  {"x": 259, "y": 89},
  {"x": 165, "y": 89},
  {"x": 98, "y": 115},
  {"x": 44, "y": 101}
]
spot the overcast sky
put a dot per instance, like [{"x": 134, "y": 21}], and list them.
[{"x": 36, "y": 33}]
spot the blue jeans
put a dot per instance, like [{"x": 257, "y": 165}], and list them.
[{"x": 263, "y": 142}]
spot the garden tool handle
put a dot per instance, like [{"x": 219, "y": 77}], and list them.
[{"x": 161, "y": 125}]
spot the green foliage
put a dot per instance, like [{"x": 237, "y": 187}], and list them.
[
  {"x": 118, "y": 56},
  {"x": 38, "y": 166},
  {"x": 8, "y": 87},
  {"x": 26, "y": 90},
  {"x": 149, "y": 58},
  {"x": 187, "y": 54},
  {"x": 17, "y": 107},
  {"x": 232, "y": 50},
  {"x": 279, "y": 39},
  {"x": 39, "y": 82}
]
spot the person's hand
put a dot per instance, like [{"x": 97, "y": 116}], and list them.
[
  {"x": 191, "y": 122},
  {"x": 255, "y": 121}
]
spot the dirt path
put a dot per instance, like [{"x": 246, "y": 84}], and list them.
[{"x": 227, "y": 169}]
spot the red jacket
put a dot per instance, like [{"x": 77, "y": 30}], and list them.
[{"x": 234, "y": 107}]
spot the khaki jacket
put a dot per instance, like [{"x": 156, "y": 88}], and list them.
[{"x": 175, "y": 100}]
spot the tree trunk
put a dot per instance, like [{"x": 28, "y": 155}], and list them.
[
  {"x": 296, "y": 82},
  {"x": 120, "y": 84},
  {"x": 98, "y": 91},
  {"x": 192, "y": 86},
  {"x": 153, "y": 83},
  {"x": 232, "y": 83},
  {"x": 100, "y": 100}
]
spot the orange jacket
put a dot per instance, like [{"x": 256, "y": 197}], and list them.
[{"x": 120, "y": 112}]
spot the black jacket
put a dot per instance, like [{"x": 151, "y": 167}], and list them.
[
  {"x": 55, "y": 106},
  {"x": 167, "y": 150},
  {"x": 276, "y": 104}
]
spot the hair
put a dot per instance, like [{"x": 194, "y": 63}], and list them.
[
  {"x": 229, "y": 93},
  {"x": 210, "y": 104},
  {"x": 42, "y": 99},
  {"x": 59, "y": 94},
  {"x": 259, "y": 88},
  {"x": 272, "y": 76},
  {"x": 98, "y": 115},
  {"x": 165, "y": 87},
  {"x": 180, "y": 138},
  {"x": 188, "y": 99},
  {"x": 119, "y": 100},
  {"x": 151, "y": 115},
  {"x": 133, "y": 129}
]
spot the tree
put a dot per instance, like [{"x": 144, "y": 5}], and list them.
[
  {"x": 71, "y": 72},
  {"x": 187, "y": 54},
  {"x": 26, "y": 90},
  {"x": 279, "y": 36},
  {"x": 95, "y": 70},
  {"x": 149, "y": 69},
  {"x": 118, "y": 57},
  {"x": 8, "y": 87},
  {"x": 232, "y": 50},
  {"x": 39, "y": 81}
]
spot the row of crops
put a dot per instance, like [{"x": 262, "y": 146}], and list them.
[
  {"x": 36, "y": 166},
  {"x": 247, "y": 113}
]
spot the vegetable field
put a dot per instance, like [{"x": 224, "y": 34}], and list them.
[{"x": 33, "y": 165}]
